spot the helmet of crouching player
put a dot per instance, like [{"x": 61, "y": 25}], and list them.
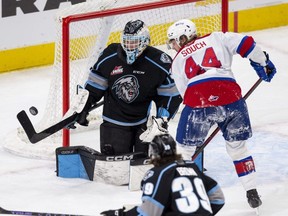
[{"x": 162, "y": 150}]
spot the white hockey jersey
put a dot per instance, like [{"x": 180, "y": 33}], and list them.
[{"x": 202, "y": 68}]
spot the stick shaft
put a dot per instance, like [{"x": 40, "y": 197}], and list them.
[{"x": 12, "y": 212}]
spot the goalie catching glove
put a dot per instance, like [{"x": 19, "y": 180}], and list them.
[
  {"x": 155, "y": 126},
  {"x": 81, "y": 103},
  {"x": 266, "y": 72},
  {"x": 77, "y": 105}
]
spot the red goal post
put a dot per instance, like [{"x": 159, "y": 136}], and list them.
[{"x": 70, "y": 49}]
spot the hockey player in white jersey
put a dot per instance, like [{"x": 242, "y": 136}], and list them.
[{"x": 202, "y": 73}]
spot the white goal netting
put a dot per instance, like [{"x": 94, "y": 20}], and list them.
[{"x": 89, "y": 33}]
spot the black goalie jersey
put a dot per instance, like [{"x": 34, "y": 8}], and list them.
[
  {"x": 178, "y": 189},
  {"x": 128, "y": 90}
]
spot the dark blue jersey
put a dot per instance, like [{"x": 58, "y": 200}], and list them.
[
  {"x": 128, "y": 90},
  {"x": 178, "y": 188}
]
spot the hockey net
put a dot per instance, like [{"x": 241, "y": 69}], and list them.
[{"x": 85, "y": 29}]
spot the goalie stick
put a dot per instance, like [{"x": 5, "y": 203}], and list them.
[
  {"x": 12, "y": 212},
  {"x": 35, "y": 137},
  {"x": 213, "y": 134}
]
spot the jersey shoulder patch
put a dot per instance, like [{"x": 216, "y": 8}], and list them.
[
  {"x": 165, "y": 58},
  {"x": 148, "y": 174}
]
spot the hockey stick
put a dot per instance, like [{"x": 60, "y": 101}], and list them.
[
  {"x": 12, "y": 212},
  {"x": 213, "y": 134},
  {"x": 35, "y": 137}
]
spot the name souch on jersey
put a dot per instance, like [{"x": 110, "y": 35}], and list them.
[{"x": 208, "y": 79}]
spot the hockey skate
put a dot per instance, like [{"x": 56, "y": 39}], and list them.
[{"x": 253, "y": 198}]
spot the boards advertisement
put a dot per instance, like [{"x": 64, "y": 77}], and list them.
[{"x": 28, "y": 26}]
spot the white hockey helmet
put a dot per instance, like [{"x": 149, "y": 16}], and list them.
[
  {"x": 134, "y": 39},
  {"x": 178, "y": 29}
]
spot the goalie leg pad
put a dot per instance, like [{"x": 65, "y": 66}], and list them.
[
  {"x": 137, "y": 171},
  {"x": 75, "y": 162},
  {"x": 115, "y": 169}
]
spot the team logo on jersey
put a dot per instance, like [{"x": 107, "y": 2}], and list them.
[
  {"x": 213, "y": 98},
  {"x": 126, "y": 88},
  {"x": 117, "y": 70},
  {"x": 165, "y": 58},
  {"x": 148, "y": 174}
]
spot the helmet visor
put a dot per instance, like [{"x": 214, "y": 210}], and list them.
[{"x": 130, "y": 42}]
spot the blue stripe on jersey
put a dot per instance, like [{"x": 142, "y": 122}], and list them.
[
  {"x": 244, "y": 44},
  {"x": 168, "y": 94},
  {"x": 211, "y": 79},
  {"x": 189, "y": 162},
  {"x": 241, "y": 44},
  {"x": 249, "y": 50},
  {"x": 211, "y": 192},
  {"x": 217, "y": 202},
  {"x": 141, "y": 213},
  {"x": 95, "y": 85},
  {"x": 124, "y": 123},
  {"x": 155, "y": 202},
  {"x": 168, "y": 90},
  {"x": 97, "y": 81}
]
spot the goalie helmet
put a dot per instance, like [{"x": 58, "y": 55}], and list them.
[
  {"x": 181, "y": 28},
  {"x": 162, "y": 146},
  {"x": 134, "y": 40}
]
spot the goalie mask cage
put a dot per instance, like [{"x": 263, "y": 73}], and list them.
[{"x": 84, "y": 30}]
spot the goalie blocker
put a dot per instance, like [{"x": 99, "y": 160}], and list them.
[{"x": 87, "y": 163}]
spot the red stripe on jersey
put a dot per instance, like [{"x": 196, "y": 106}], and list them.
[
  {"x": 245, "y": 166},
  {"x": 212, "y": 93},
  {"x": 246, "y": 46}
]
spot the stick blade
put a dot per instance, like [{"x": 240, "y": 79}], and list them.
[
  {"x": 4, "y": 211},
  {"x": 26, "y": 125},
  {"x": 35, "y": 137}
]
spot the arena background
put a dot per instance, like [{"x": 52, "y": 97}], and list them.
[{"x": 28, "y": 28}]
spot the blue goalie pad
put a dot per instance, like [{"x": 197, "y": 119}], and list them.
[
  {"x": 71, "y": 166},
  {"x": 76, "y": 162}
]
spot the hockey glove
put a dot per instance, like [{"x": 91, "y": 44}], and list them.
[
  {"x": 77, "y": 104},
  {"x": 117, "y": 212},
  {"x": 82, "y": 119},
  {"x": 267, "y": 72},
  {"x": 155, "y": 126}
]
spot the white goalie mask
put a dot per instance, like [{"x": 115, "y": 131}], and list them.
[
  {"x": 134, "y": 39},
  {"x": 178, "y": 29}
]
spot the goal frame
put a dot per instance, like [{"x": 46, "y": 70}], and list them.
[{"x": 111, "y": 12}]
